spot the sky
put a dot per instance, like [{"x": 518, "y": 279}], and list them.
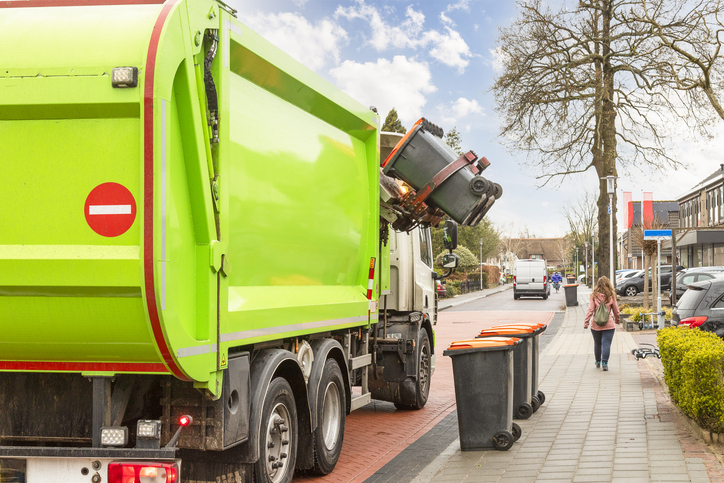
[{"x": 437, "y": 60}]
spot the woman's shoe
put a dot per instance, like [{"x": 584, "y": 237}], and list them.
[
  {"x": 605, "y": 366},
  {"x": 598, "y": 364}
]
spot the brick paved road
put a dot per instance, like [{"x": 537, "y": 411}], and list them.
[{"x": 377, "y": 433}]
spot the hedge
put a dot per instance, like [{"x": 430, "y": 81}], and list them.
[
  {"x": 636, "y": 313},
  {"x": 694, "y": 371}
]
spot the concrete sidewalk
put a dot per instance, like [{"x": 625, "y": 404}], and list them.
[{"x": 594, "y": 426}]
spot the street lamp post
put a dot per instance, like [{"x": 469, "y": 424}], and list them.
[
  {"x": 481, "y": 264},
  {"x": 585, "y": 262},
  {"x": 611, "y": 189}
]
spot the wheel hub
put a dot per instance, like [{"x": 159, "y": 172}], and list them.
[
  {"x": 277, "y": 448},
  {"x": 331, "y": 416}
]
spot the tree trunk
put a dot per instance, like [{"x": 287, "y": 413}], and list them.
[{"x": 608, "y": 134}]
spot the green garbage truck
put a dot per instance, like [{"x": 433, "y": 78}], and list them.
[{"x": 209, "y": 255}]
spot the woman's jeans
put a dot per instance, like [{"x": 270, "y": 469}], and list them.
[{"x": 602, "y": 344}]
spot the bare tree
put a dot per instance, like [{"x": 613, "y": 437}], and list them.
[
  {"x": 575, "y": 96},
  {"x": 581, "y": 218},
  {"x": 689, "y": 58}
]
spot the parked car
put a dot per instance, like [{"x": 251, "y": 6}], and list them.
[
  {"x": 626, "y": 274},
  {"x": 688, "y": 277},
  {"x": 702, "y": 306},
  {"x": 441, "y": 289},
  {"x": 635, "y": 284}
]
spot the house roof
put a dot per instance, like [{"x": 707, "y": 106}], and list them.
[
  {"x": 549, "y": 248},
  {"x": 713, "y": 178},
  {"x": 661, "y": 211}
]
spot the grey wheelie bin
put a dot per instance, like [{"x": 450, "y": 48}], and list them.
[
  {"x": 522, "y": 368},
  {"x": 483, "y": 374},
  {"x": 535, "y": 392},
  {"x": 571, "y": 294}
]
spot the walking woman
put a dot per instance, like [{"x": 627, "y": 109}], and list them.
[{"x": 602, "y": 328}]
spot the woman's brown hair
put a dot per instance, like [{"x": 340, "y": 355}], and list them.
[{"x": 603, "y": 286}]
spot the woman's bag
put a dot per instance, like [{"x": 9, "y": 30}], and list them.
[{"x": 600, "y": 317}]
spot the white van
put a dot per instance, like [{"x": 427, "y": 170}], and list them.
[{"x": 530, "y": 277}]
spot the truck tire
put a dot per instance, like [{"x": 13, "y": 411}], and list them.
[
  {"x": 279, "y": 432},
  {"x": 331, "y": 414},
  {"x": 422, "y": 384}
]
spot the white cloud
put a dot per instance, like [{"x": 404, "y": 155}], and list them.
[
  {"x": 463, "y": 107},
  {"x": 402, "y": 84},
  {"x": 447, "y": 47},
  {"x": 384, "y": 36},
  {"x": 450, "y": 49},
  {"x": 300, "y": 3},
  {"x": 314, "y": 45},
  {"x": 459, "y": 5},
  {"x": 446, "y": 20}
]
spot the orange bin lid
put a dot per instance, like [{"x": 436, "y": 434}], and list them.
[
  {"x": 487, "y": 343},
  {"x": 539, "y": 327},
  {"x": 508, "y": 332}
]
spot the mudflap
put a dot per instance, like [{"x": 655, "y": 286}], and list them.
[
  {"x": 393, "y": 376},
  {"x": 212, "y": 467}
]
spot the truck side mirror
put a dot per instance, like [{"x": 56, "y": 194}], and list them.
[
  {"x": 450, "y": 236},
  {"x": 450, "y": 260}
]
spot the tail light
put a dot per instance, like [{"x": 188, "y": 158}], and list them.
[
  {"x": 544, "y": 279},
  {"x": 515, "y": 280},
  {"x": 148, "y": 472},
  {"x": 694, "y": 321}
]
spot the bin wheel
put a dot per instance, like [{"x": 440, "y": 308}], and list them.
[
  {"x": 498, "y": 191},
  {"x": 524, "y": 411},
  {"x": 503, "y": 440},
  {"x": 541, "y": 397},
  {"x": 517, "y": 432},
  {"x": 534, "y": 403}
]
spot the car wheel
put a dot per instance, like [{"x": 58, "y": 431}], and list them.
[{"x": 631, "y": 291}]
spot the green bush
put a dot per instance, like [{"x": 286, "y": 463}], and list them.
[
  {"x": 452, "y": 290},
  {"x": 694, "y": 371},
  {"x": 475, "y": 276}
]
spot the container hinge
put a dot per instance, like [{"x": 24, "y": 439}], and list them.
[{"x": 211, "y": 97}]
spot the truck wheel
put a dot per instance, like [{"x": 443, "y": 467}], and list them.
[
  {"x": 331, "y": 414},
  {"x": 422, "y": 385},
  {"x": 278, "y": 435}
]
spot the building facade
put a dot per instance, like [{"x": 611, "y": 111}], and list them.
[{"x": 701, "y": 211}]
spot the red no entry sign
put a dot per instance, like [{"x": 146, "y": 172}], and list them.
[{"x": 110, "y": 209}]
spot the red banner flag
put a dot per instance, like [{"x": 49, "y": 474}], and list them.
[
  {"x": 627, "y": 209},
  {"x": 647, "y": 212}
]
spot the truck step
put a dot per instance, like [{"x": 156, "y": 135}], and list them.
[
  {"x": 361, "y": 361},
  {"x": 360, "y": 401}
]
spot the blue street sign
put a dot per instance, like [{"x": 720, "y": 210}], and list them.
[{"x": 657, "y": 234}]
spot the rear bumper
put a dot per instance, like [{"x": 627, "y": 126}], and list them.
[{"x": 57, "y": 452}]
